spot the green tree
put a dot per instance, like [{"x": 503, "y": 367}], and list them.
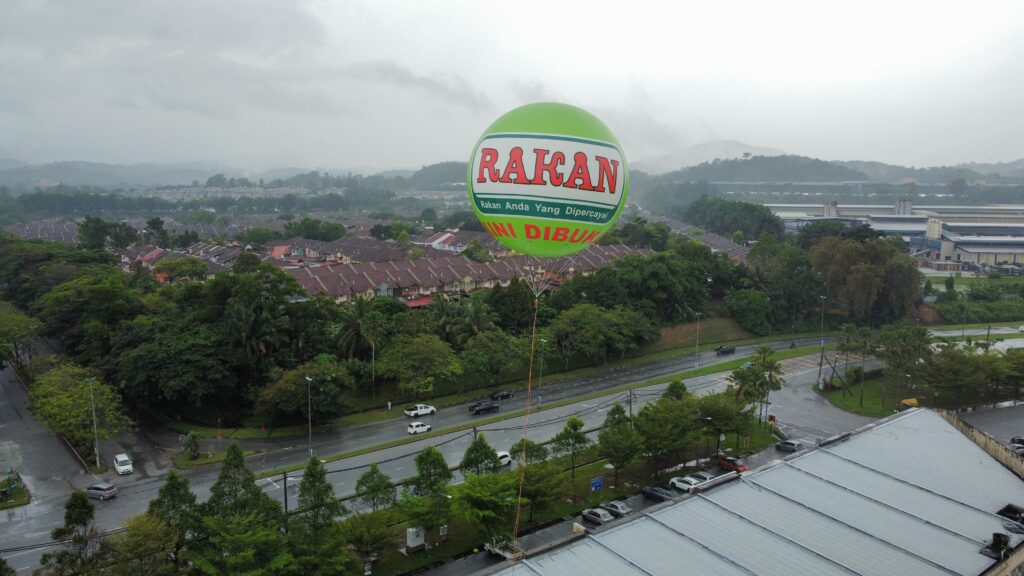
[
  {"x": 619, "y": 442},
  {"x": 328, "y": 384},
  {"x": 5, "y": 568},
  {"x": 490, "y": 354},
  {"x": 122, "y": 235},
  {"x": 315, "y": 536},
  {"x": 241, "y": 543},
  {"x": 245, "y": 263},
  {"x": 417, "y": 362},
  {"x": 667, "y": 427},
  {"x": 178, "y": 268},
  {"x": 428, "y": 215},
  {"x": 543, "y": 486},
  {"x": 375, "y": 489},
  {"x": 19, "y": 331},
  {"x": 512, "y": 305},
  {"x": 191, "y": 445},
  {"x": 480, "y": 457},
  {"x": 314, "y": 229},
  {"x": 475, "y": 317},
  {"x": 723, "y": 413},
  {"x": 676, "y": 389},
  {"x": 320, "y": 508},
  {"x": 260, "y": 236},
  {"x": 571, "y": 441},
  {"x": 84, "y": 550},
  {"x": 370, "y": 533},
  {"x": 62, "y": 399},
  {"x": 155, "y": 233},
  {"x": 235, "y": 493},
  {"x": 176, "y": 507},
  {"x": 477, "y": 252},
  {"x": 530, "y": 450},
  {"x": 751, "y": 309},
  {"x": 144, "y": 546},
  {"x": 92, "y": 233},
  {"x": 432, "y": 473},
  {"x": 488, "y": 502}
]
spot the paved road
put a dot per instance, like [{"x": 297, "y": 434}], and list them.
[{"x": 800, "y": 411}]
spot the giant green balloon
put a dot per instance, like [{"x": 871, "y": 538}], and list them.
[{"x": 547, "y": 179}]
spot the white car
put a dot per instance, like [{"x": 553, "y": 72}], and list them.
[
  {"x": 420, "y": 410},
  {"x": 504, "y": 458},
  {"x": 418, "y": 428},
  {"x": 685, "y": 483},
  {"x": 123, "y": 464}
]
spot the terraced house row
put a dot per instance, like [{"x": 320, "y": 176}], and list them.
[{"x": 416, "y": 281}]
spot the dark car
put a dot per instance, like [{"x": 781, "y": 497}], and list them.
[
  {"x": 723, "y": 350},
  {"x": 1017, "y": 440},
  {"x": 659, "y": 493},
  {"x": 501, "y": 395},
  {"x": 484, "y": 408},
  {"x": 101, "y": 491}
]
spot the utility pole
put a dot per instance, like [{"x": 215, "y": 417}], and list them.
[
  {"x": 821, "y": 334},
  {"x": 629, "y": 400},
  {"x": 95, "y": 432},
  {"x": 284, "y": 482},
  {"x": 309, "y": 412}
]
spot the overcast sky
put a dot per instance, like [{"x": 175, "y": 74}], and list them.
[{"x": 336, "y": 84}]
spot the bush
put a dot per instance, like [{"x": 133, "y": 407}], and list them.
[{"x": 981, "y": 312}]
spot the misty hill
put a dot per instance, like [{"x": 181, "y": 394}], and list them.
[
  {"x": 106, "y": 175},
  {"x": 1014, "y": 169},
  {"x": 787, "y": 168},
  {"x": 700, "y": 153},
  {"x": 893, "y": 173}
]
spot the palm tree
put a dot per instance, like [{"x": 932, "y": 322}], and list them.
[
  {"x": 770, "y": 372},
  {"x": 475, "y": 318},
  {"x": 351, "y": 330}
]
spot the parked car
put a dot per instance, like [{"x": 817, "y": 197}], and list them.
[
  {"x": 420, "y": 410},
  {"x": 788, "y": 445},
  {"x": 597, "y": 515},
  {"x": 1017, "y": 440},
  {"x": 723, "y": 350},
  {"x": 101, "y": 491},
  {"x": 418, "y": 428},
  {"x": 123, "y": 464},
  {"x": 659, "y": 493},
  {"x": 685, "y": 483},
  {"x": 501, "y": 395},
  {"x": 504, "y": 458},
  {"x": 1019, "y": 450},
  {"x": 484, "y": 408},
  {"x": 618, "y": 508},
  {"x": 704, "y": 475},
  {"x": 731, "y": 464}
]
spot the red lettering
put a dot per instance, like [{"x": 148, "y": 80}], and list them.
[
  {"x": 508, "y": 229},
  {"x": 488, "y": 156},
  {"x": 589, "y": 237},
  {"x": 514, "y": 167},
  {"x": 561, "y": 233},
  {"x": 580, "y": 171},
  {"x": 607, "y": 170},
  {"x": 540, "y": 167},
  {"x": 547, "y": 232},
  {"x": 577, "y": 235},
  {"x": 532, "y": 231}
]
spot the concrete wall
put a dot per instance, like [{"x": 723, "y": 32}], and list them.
[{"x": 1012, "y": 566}]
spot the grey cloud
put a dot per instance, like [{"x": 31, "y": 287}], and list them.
[{"x": 449, "y": 87}]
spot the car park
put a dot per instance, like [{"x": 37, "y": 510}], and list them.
[
  {"x": 658, "y": 493},
  {"x": 101, "y": 491},
  {"x": 788, "y": 445},
  {"x": 731, "y": 464},
  {"x": 420, "y": 410},
  {"x": 618, "y": 508},
  {"x": 597, "y": 515},
  {"x": 504, "y": 458},
  {"x": 418, "y": 428},
  {"x": 123, "y": 464},
  {"x": 502, "y": 395},
  {"x": 484, "y": 408},
  {"x": 724, "y": 349},
  {"x": 685, "y": 483}
]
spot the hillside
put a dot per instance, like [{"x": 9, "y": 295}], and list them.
[{"x": 768, "y": 169}]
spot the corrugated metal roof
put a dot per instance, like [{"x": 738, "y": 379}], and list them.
[{"x": 909, "y": 495}]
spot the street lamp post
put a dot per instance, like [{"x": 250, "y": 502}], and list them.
[
  {"x": 821, "y": 335},
  {"x": 309, "y": 412},
  {"x": 696, "y": 350},
  {"x": 95, "y": 431}
]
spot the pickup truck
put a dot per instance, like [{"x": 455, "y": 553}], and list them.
[
  {"x": 724, "y": 349},
  {"x": 484, "y": 408}
]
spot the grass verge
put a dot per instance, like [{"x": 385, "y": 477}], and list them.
[
  {"x": 17, "y": 496},
  {"x": 183, "y": 462}
]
